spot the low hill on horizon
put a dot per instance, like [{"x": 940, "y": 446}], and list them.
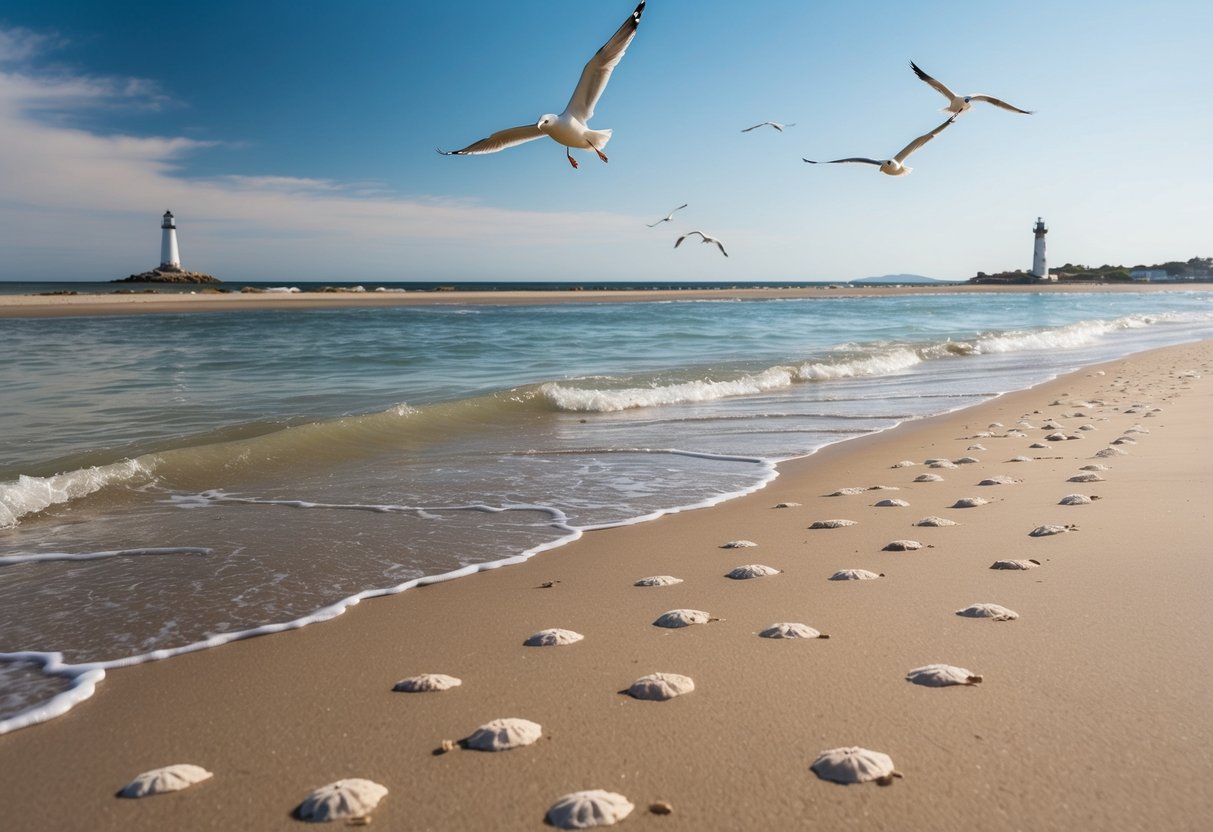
[{"x": 900, "y": 278}]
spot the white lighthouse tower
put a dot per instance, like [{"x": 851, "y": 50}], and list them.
[
  {"x": 170, "y": 260},
  {"x": 1040, "y": 266}
]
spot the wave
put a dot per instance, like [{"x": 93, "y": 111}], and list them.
[{"x": 29, "y": 495}]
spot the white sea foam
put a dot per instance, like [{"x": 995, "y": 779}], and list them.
[{"x": 29, "y": 495}]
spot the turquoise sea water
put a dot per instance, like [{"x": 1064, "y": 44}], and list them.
[{"x": 170, "y": 482}]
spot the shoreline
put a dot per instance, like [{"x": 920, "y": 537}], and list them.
[
  {"x": 37, "y": 306},
  {"x": 292, "y": 711}
]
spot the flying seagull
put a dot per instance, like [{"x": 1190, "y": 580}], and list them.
[
  {"x": 959, "y": 103},
  {"x": 894, "y": 166},
  {"x": 570, "y": 127},
  {"x": 667, "y": 217},
  {"x": 774, "y": 124},
  {"x": 706, "y": 239}
]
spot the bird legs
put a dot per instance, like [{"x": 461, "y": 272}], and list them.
[
  {"x": 601, "y": 155},
  {"x": 569, "y": 155}
]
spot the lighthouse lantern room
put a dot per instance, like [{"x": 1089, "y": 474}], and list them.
[{"x": 170, "y": 259}]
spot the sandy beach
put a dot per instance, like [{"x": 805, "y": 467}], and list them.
[
  {"x": 28, "y": 306},
  {"x": 1093, "y": 712}
]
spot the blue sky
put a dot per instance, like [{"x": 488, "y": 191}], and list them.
[{"x": 295, "y": 140}]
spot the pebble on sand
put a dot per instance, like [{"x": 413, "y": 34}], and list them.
[
  {"x": 675, "y": 619},
  {"x": 928, "y": 478},
  {"x": 583, "y": 810},
  {"x": 504, "y": 734},
  {"x": 427, "y": 682},
  {"x": 894, "y": 503},
  {"x": 854, "y": 765},
  {"x": 658, "y": 580},
  {"x": 831, "y": 524},
  {"x": 934, "y": 522},
  {"x": 1075, "y": 500},
  {"x": 661, "y": 686},
  {"x": 1110, "y": 451},
  {"x": 791, "y": 630},
  {"x": 847, "y": 492},
  {"x": 350, "y": 798},
  {"x": 787, "y": 505},
  {"x": 855, "y": 575},
  {"x": 905, "y": 463},
  {"x": 1052, "y": 529},
  {"x": 1000, "y": 481},
  {"x": 941, "y": 676},
  {"x": 168, "y": 779},
  {"x": 1015, "y": 564},
  {"x": 992, "y": 611},
  {"x": 738, "y": 544},
  {"x": 552, "y": 637},
  {"x": 902, "y": 546},
  {"x": 970, "y": 502},
  {"x": 751, "y": 570}
]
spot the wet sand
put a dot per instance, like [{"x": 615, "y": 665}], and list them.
[{"x": 1093, "y": 712}]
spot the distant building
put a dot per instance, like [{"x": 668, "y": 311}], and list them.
[
  {"x": 1148, "y": 275},
  {"x": 170, "y": 259}
]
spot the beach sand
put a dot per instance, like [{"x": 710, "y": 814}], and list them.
[
  {"x": 1094, "y": 712},
  {"x": 38, "y": 306}
]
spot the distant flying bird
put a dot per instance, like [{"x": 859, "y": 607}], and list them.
[
  {"x": 894, "y": 166},
  {"x": 570, "y": 127},
  {"x": 667, "y": 217},
  {"x": 706, "y": 239},
  {"x": 959, "y": 103},
  {"x": 774, "y": 124}
]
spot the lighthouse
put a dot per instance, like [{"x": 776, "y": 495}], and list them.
[
  {"x": 1040, "y": 267},
  {"x": 170, "y": 260}
]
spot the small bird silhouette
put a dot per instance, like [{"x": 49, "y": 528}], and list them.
[
  {"x": 667, "y": 217},
  {"x": 706, "y": 239}
]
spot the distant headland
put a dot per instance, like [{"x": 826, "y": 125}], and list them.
[{"x": 163, "y": 275}]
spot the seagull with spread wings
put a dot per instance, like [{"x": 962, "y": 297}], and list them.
[
  {"x": 570, "y": 128},
  {"x": 959, "y": 103},
  {"x": 706, "y": 239},
  {"x": 667, "y": 217},
  {"x": 774, "y": 124},
  {"x": 894, "y": 166}
]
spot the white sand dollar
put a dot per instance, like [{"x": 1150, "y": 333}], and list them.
[
  {"x": 1038, "y": 445},
  {"x": 675, "y": 619},
  {"x": 1075, "y": 500},
  {"x": 1058, "y": 436},
  {"x": 941, "y": 676},
  {"x": 933, "y": 522},
  {"x": 738, "y": 544},
  {"x": 661, "y": 686},
  {"x": 553, "y": 637},
  {"x": 1020, "y": 459},
  {"x": 855, "y": 575},
  {"x": 583, "y": 810},
  {"x": 504, "y": 734},
  {"x": 427, "y": 682},
  {"x": 831, "y": 524},
  {"x": 967, "y": 460},
  {"x": 167, "y": 779},
  {"x": 791, "y": 630},
  {"x": 854, "y": 765},
  {"x": 658, "y": 580},
  {"x": 941, "y": 463},
  {"x": 350, "y": 798},
  {"x": 1001, "y": 480},
  {"x": 847, "y": 492},
  {"x": 1107, "y": 452},
  {"x": 1086, "y": 476},
  {"x": 928, "y": 478},
  {"x": 902, "y": 546},
  {"x": 1015, "y": 564},
  {"x": 1095, "y": 466},
  {"x": 894, "y": 503},
  {"x": 787, "y": 505},
  {"x": 751, "y": 570},
  {"x": 970, "y": 502},
  {"x": 905, "y": 463},
  {"x": 1052, "y": 529},
  {"x": 991, "y": 611},
  {"x": 976, "y": 447},
  {"x": 1124, "y": 440}
]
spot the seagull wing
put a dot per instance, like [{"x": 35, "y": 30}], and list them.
[
  {"x": 920, "y": 141},
  {"x": 667, "y": 217},
  {"x": 719, "y": 246},
  {"x": 678, "y": 242},
  {"x": 498, "y": 141},
  {"x": 598, "y": 71},
  {"x": 998, "y": 102},
  {"x": 859, "y": 159},
  {"x": 755, "y": 127},
  {"x": 940, "y": 88}
]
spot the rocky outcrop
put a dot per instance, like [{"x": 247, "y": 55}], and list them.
[{"x": 163, "y": 275}]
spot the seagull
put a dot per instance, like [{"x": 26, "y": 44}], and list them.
[
  {"x": 774, "y": 124},
  {"x": 706, "y": 239},
  {"x": 667, "y": 217},
  {"x": 894, "y": 166},
  {"x": 959, "y": 103},
  {"x": 570, "y": 127}
]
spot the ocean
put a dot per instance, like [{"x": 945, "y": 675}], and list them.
[{"x": 170, "y": 482}]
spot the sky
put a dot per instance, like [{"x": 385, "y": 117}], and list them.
[{"x": 294, "y": 141}]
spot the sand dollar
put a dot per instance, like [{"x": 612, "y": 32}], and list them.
[
  {"x": 167, "y": 779},
  {"x": 661, "y": 686},
  {"x": 583, "y": 810},
  {"x": 504, "y": 734},
  {"x": 427, "y": 682},
  {"x": 350, "y": 798},
  {"x": 854, "y": 765}
]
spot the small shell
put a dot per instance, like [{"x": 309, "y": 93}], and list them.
[
  {"x": 966, "y": 460},
  {"x": 582, "y": 810},
  {"x": 970, "y": 502},
  {"x": 1056, "y": 437},
  {"x": 992, "y": 611},
  {"x": 831, "y": 524},
  {"x": 681, "y": 618},
  {"x": 787, "y": 505},
  {"x": 661, "y": 686},
  {"x": 941, "y": 676},
  {"x": 941, "y": 463},
  {"x": 902, "y": 546},
  {"x": 993, "y": 425},
  {"x": 504, "y": 734},
  {"x": 1051, "y": 425},
  {"x": 1137, "y": 429},
  {"x": 1052, "y": 529},
  {"x": 1075, "y": 500},
  {"x": 658, "y": 580},
  {"x": 1038, "y": 445},
  {"x": 976, "y": 448},
  {"x": 1085, "y": 427},
  {"x": 427, "y": 682},
  {"x": 847, "y": 492},
  {"x": 883, "y": 488},
  {"x": 1095, "y": 466},
  {"x": 894, "y": 503},
  {"x": 905, "y": 463},
  {"x": 168, "y": 779},
  {"x": 933, "y": 522},
  {"x": 1015, "y": 564},
  {"x": 1000, "y": 481},
  {"x": 738, "y": 544},
  {"x": 928, "y": 478},
  {"x": 1020, "y": 459},
  {"x": 751, "y": 570},
  {"x": 855, "y": 575},
  {"x": 553, "y": 637},
  {"x": 352, "y": 798},
  {"x": 791, "y": 630},
  {"x": 854, "y": 765},
  {"x": 1107, "y": 452},
  {"x": 661, "y": 807}
]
